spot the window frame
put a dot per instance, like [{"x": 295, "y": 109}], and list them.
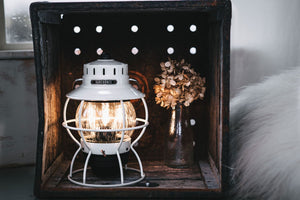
[{"x": 4, "y": 46}]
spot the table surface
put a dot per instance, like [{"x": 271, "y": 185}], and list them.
[{"x": 17, "y": 183}]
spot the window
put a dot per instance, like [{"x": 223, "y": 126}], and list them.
[{"x": 15, "y": 29}]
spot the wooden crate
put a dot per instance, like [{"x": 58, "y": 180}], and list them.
[{"x": 57, "y": 67}]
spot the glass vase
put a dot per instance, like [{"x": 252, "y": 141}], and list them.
[{"x": 179, "y": 139}]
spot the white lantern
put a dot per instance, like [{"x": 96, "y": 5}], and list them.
[{"x": 105, "y": 118}]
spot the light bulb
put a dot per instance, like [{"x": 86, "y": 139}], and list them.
[{"x": 106, "y": 115}]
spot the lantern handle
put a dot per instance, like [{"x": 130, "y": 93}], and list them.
[
  {"x": 137, "y": 83},
  {"x": 74, "y": 82}
]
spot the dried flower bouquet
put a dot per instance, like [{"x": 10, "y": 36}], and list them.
[{"x": 178, "y": 83}]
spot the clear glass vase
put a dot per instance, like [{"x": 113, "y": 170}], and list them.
[{"x": 179, "y": 139}]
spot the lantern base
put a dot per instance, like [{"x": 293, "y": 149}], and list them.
[
  {"x": 106, "y": 149},
  {"x": 107, "y": 166},
  {"x": 83, "y": 183}
]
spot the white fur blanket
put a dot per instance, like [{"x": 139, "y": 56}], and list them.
[{"x": 265, "y": 144}]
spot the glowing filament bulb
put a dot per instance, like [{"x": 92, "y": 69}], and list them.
[{"x": 105, "y": 114}]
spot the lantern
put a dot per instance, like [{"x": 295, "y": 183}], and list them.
[{"x": 105, "y": 120}]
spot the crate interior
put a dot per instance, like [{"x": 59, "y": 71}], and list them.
[{"x": 61, "y": 66}]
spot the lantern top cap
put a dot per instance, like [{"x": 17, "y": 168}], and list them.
[
  {"x": 105, "y": 80},
  {"x": 105, "y": 62}
]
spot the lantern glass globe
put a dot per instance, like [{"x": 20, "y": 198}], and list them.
[{"x": 105, "y": 115}]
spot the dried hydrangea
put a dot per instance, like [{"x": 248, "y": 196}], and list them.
[{"x": 178, "y": 83}]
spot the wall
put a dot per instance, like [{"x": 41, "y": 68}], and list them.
[
  {"x": 18, "y": 112},
  {"x": 265, "y": 41}
]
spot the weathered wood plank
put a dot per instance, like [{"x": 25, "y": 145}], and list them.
[
  {"x": 156, "y": 173},
  {"x": 210, "y": 179},
  {"x": 59, "y": 174},
  {"x": 53, "y": 168}
]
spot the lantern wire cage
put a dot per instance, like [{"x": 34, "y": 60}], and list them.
[{"x": 84, "y": 143}]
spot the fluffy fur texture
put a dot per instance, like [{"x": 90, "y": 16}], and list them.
[{"x": 265, "y": 144}]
